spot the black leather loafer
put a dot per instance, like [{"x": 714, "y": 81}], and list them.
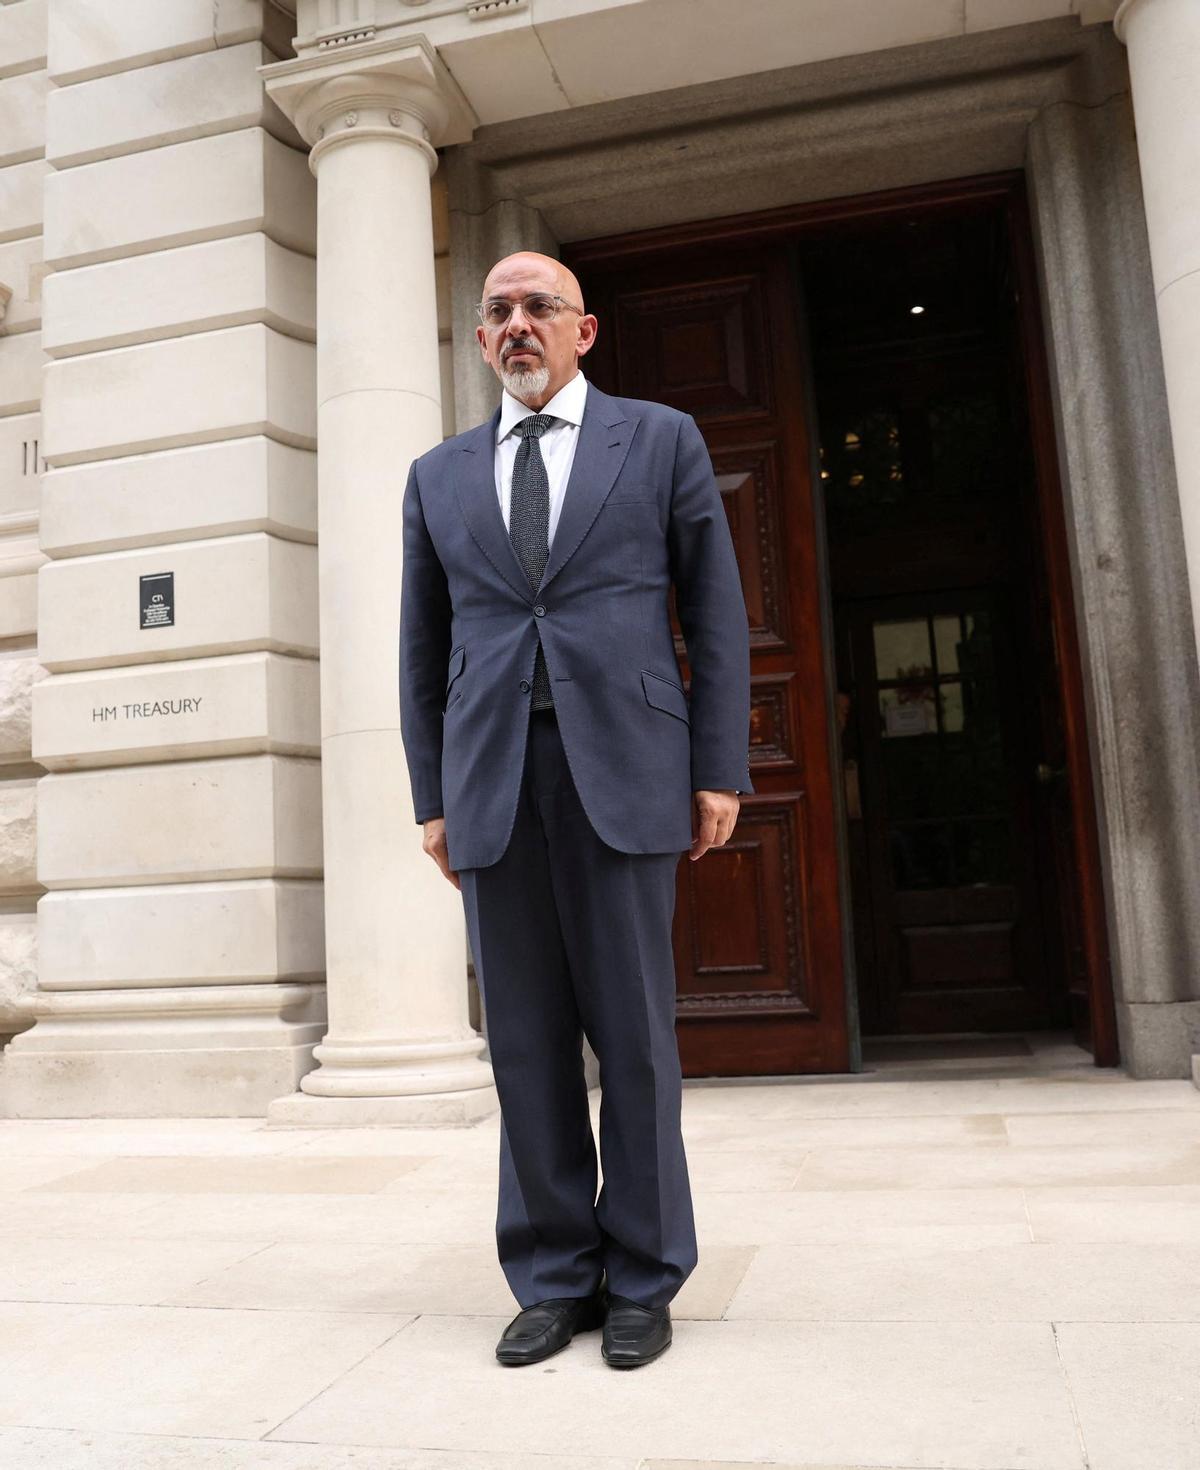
[
  {"x": 547, "y": 1327},
  {"x": 634, "y": 1334}
]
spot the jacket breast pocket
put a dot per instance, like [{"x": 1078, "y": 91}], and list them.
[
  {"x": 666, "y": 695},
  {"x": 631, "y": 495},
  {"x": 458, "y": 657}
]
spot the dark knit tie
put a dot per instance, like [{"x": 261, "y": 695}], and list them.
[{"x": 529, "y": 526}]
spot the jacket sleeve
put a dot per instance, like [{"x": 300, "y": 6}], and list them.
[
  {"x": 712, "y": 615},
  {"x": 424, "y": 649}
]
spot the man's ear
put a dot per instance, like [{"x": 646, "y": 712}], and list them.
[{"x": 591, "y": 326}]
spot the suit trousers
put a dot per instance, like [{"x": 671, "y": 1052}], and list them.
[{"x": 572, "y": 938}]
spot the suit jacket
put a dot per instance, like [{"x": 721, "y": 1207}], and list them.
[{"x": 641, "y": 510}]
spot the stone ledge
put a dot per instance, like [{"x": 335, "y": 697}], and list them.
[
  {"x": 21, "y": 271},
  {"x": 183, "y": 709},
  {"x": 228, "y": 184},
  {"x": 169, "y": 293},
  {"x": 233, "y": 594},
  {"x": 23, "y": 117},
  {"x": 197, "y": 934},
  {"x": 23, "y": 36},
  {"x": 148, "y": 1084},
  {"x": 91, "y": 38},
  {"x": 21, "y": 371},
  {"x": 167, "y": 102},
  {"x": 18, "y": 603},
  {"x": 21, "y": 198},
  {"x": 21, "y": 472},
  {"x": 204, "y": 386},
  {"x": 198, "y": 491},
  {"x": 253, "y": 816}
]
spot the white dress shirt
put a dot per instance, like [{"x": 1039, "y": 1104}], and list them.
[{"x": 557, "y": 444}]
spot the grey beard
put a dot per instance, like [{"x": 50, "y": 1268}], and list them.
[{"x": 521, "y": 381}]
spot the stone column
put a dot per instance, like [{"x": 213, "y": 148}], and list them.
[
  {"x": 400, "y": 1047},
  {"x": 1126, "y": 546},
  {"x": 1163, "y": 42}
]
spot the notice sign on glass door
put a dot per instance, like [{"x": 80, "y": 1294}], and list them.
[{"x": 157, "y": 599}]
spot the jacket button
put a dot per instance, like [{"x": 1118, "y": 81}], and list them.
[
  {"x": 539, "y": 611},
  {"x": 524, "y": 686}
]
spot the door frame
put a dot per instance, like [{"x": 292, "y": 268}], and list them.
[{"x": 1004, "y": 191}]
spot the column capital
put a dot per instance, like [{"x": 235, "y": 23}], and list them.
[
  {"x": 373, "y": 88},
  {"x": 1121, "y": 18}
]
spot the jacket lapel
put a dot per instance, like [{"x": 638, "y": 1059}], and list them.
[
  {"x": 475, "y": 486},
  {"x": 604, "y": 439}
]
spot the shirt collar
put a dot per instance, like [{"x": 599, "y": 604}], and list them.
[{"x": 566, "y": 404}]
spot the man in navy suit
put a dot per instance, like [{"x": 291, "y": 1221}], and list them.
[{"x": 559, "y": 771}]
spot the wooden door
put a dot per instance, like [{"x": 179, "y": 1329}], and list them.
[
  {"x": 938, "y": 696},
  {"x": 788, "y": 335},
  {"x": 758, "y": 932}
]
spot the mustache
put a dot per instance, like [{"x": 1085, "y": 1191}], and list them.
[{"x": 520, "y": 344}]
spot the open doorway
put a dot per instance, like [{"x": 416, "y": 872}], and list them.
[
  {"x": 943, "y": 643},
  {"x": 918, "y": 859}
]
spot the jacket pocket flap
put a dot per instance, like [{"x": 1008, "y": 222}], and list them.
[
  {"x": 455, "y": 666},
  {"x": 665, "y": 695}
]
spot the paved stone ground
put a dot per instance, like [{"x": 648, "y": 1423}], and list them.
[{"x": 987, "y": 1263}]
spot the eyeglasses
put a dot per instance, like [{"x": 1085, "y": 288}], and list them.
[{"x": 541, "y": 306}]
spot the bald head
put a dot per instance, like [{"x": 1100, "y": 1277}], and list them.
[
  {"x": 524, "y": 266},
  {"x": 534, "y": 358}
]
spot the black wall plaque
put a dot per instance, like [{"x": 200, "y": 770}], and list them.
[{"x": 157, "y": 599}]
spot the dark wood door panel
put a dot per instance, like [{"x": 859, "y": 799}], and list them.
[
  {"x": 758, "y": 922},
  {"x": 750, "y": 483},
  {"x": 774, "y": 723},
  {"x": 740, "y": 945},
  {"x": 699, "y": 346}
]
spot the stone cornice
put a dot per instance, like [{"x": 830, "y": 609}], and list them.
[
  {"x": 833, "y": 127},
  {"x": 328, "y": 26}
]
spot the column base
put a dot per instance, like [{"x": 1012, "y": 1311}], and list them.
[
  {"x": 1159, "y": 1038},
  {"x": 187, "y": 1052},
  {"x": 428, "y": 1110},
  {"x": 437, "y": 1083}
]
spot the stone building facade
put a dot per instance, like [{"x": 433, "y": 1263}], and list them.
[{"x": 232, "y": 229}]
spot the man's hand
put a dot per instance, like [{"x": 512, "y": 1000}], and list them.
[
  {"x": 434, "y": 843},
  {"x": 714, "y": 815}
]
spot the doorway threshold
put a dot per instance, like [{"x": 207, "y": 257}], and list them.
[
  {"x": 938, "y": 1058},
  {"x": 974, "y": 1054}
]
